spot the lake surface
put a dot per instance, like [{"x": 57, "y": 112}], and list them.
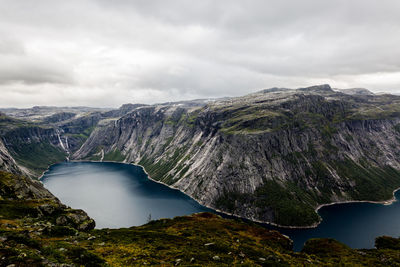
[
  {"x": 354, "y": 224},
  {"x": 120, "y": 195},
  {"x": 116, "y": 195}
]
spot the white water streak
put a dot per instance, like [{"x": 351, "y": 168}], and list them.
[
  {"x": 59, "y": 140},
  {"x": 102, "y": 155}
]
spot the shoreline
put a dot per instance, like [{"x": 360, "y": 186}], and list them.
[
  {"x": 383, "y": 202},
  {"x": 48, "y": 168},
  {"x": 214, "y": 209},
  {"x": 41, "y": 176}
]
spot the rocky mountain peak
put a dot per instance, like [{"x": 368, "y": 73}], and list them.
[{"x": 324, "y": 88}]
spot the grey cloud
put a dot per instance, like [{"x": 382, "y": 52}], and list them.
[
  {"x": 10, "y": 46},
  {"x": 32, "y": 71},
  {"x": 151, "y": 51}
]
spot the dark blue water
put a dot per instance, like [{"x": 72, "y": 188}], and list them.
[
  {"x": 116, "y": 195},
  {"x": 120, "y": 195},
  {"x": 354, "y": 224}
]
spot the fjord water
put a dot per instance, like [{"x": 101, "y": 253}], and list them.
[
  {"x": 116, "y": 195},
  {"x": 354, "y": 224},
  {"x": 119, "y": 195}
]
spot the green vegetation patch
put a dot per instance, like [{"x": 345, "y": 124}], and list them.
[
  {"x": 387, "y": 242},
  {"x": 94, "y": 157},
  {"x": 326, "y": 247},
  {"x": 250, "y": 119},
  {"x": 372, "y": 183},
  {"x": 289, "y": 205},
  {"x": 37, "y": 156},
  {"x": 199, "y": 240},
  {"x": 13, "y": 209},
  {"x": 397, "y": 127},
  {"x": 8, "y": 124},
  {"x": 115, "y": 155}
]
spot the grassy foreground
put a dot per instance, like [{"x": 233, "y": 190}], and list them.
[{"x": 198, "y": 240}]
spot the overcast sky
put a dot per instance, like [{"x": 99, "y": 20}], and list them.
[{"x": 106, "y": 53}]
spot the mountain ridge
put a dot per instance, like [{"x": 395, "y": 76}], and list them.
[{"x": 303, "y": 128}]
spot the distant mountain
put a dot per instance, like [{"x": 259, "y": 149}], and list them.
[
  {"x": 355, "y": 91},
  {"x": 37, "y": 113},
  {"x": 124, "y": 109}
]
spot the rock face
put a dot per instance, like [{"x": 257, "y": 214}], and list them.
[
  {"x": 272, "y": 156},
  {"x": 7, "y": 163},
  {"x": 77, "y": 219},
  {"x": 20, "y": 187}
]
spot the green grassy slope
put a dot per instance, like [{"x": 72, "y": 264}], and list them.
[{"x": 30, "y": 144}]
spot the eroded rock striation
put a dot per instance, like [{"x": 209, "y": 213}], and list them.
[{"x": 272, "y": 156}]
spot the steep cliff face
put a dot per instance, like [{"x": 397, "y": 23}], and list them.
[
  {"x": 75, "y": 130},
  {"x": 34, "y": 147},
  {"x": 272, "y": 156},
  {"x": 42, "y": 140},
  {"x": 7, "y": 162}
]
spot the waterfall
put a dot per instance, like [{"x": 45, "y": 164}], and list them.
[
  {"x": 102, "y": 154},
  {"x": 66, "y": 147},
  {"x": 59, "y": 140}
]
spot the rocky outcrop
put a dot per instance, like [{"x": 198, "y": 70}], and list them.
[
  {"x": 17, "y": 187},
  {"x": 30, "y": 194},
  {"x": 272, "y": 156}
]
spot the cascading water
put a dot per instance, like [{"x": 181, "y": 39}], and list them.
[{"x": 66, "y": 147}]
